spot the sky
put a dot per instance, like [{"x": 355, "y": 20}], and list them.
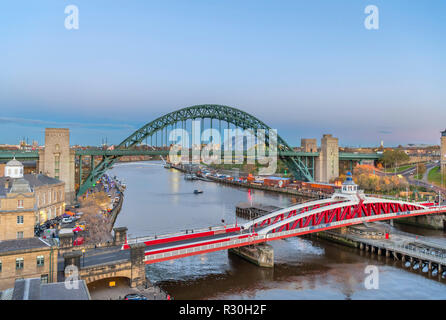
[{"x": 305, "y": 68}]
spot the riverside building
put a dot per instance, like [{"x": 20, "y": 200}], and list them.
[{"x": 27, "y": 200}]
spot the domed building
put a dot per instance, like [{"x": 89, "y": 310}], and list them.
[
  {"x": 14, "y": 169},
  {"x": 27, "y": 200},
  {"x": 349, "y": 186},
  {"x": 349, "y": 189}
]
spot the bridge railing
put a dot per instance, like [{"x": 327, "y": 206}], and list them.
[
  {"x": 270, "y": 236},
  {"x": 355, "y": 221},
  {"x": 206, "y": 247},
  {"x": 439, "y": 257},
  {"x": 180, "y": 233}
]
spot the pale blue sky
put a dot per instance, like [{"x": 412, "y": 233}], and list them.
[{"x": 303, "y": 67}]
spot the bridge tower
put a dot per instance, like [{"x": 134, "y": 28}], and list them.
[
  {"x": 443, "y": 153},
  {"x": 56, "y": 160},
  {"x": 308, "y": 145},
  {"x": 327, "y": 164}
]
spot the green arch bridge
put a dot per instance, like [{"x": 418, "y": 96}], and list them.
[{"x": 300, "y": 164}]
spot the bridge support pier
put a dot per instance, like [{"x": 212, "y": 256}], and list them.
[
  {"x": 261, "y": 254},
  {"x": 120, "y": 235},
  {"x": 138, "y": 272}
]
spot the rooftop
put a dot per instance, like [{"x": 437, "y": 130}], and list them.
[
  {"x": 14, "y": 163},
  {"x": 22, "y": 244},
  {"x": 33, "y": 289},
  {"x": 34, "y": 180}
]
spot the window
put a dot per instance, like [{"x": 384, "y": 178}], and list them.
[
  {"x": 19, "y": 203},
  {"x": 49, "y": 196},
  {"x": 19, "y": 234},
  {"x": 19, "y": 219},
  {"x": 56, "y": 166},
  {"x": 19, "y": 263},
  {"x": 0, "y": 266},
  {"x": 37, "y": 201},
  {"x": 44, "y": 200},
  {"x": 44, "y": 278},
  {"x": 40, "y": 261}
]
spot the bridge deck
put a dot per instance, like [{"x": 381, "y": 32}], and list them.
[{"x": 178, "y": 246}]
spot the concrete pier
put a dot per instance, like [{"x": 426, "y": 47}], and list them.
[{"x": 261, "y": 255}]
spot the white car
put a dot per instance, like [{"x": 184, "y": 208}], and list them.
[{"x": 67, "y": 220}]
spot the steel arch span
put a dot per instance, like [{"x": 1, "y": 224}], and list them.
[
  {"x": 228, "y": 114},
  {"x": 337, "y": 214}
]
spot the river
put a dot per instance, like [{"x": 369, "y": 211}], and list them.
[{"x": 159, "y": 200}]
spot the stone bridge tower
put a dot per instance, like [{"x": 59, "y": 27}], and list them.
[
  {"x": 327, "y": 164},
  {"x": 443, "y": 153},
  {"x": 57, "y": 159}
]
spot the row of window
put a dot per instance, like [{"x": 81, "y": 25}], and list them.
[
  {"x": 55, "y": 196},
  {"x": 15, "y": 173},
  {"x": 20, "y": 263}
]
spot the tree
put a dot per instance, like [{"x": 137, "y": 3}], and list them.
[
  {"x": 421, "y": 167},
  {"x": 394, "y": 157}
]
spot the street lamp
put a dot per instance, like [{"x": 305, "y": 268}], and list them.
[{"x": 83, "y": 257}]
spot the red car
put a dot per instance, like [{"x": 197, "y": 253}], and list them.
[{"x": 79, "y": 241}]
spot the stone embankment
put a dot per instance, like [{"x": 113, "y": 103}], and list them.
[
  {"x": 301, "y": 193},
  {"x": 413, "y": 252}
]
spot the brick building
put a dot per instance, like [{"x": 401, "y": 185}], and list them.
[
  {"x": 27, "y": 200},
  {"x": 27, "y": 258}
]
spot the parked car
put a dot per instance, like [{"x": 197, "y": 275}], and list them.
[
  {"x": 67, "y": 220},
  {"x": 135, "y": 296},
  {"x": 79, "y": 241}
]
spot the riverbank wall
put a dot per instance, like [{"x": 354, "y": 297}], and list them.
[
  {"x": 301, "y": 193},
  {"x": 117, "y": 208},
  {"x": 432, "y": 221},
  {"x": 411, "y": 251}
]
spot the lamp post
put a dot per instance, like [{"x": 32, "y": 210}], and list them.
[{"x": 83, "y": 257}]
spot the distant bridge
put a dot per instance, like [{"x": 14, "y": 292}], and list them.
[
  {"x": 34, "y": 155},
  {"x": 300, "y": 164}
]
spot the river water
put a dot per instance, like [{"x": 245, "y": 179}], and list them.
[{"x": 159, "y": 200}]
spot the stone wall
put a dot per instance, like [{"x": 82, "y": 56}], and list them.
[
  {"x": 327, "y": 164},
  {"x": 431, "y": 221},
  {"x": 443, "y": 154},
  {"x": 9, "y": 274},
  {"x": 57, "y": 159}
]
